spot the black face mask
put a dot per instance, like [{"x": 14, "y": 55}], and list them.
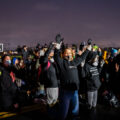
[{"x": 68, "y": 57}]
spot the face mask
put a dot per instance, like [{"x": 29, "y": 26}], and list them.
[
  {"x": 8, "y": 62},
  {"x": 69, "y": 58},
  {"x": 52, "y": 60},
  {"x": 95, "y": 64},
  {"x": 42, "y": 53}
]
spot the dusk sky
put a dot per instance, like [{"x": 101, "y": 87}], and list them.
[{"x": 38, "y": 21}]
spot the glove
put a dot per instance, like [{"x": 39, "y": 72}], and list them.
[
  {"x": 58, "y": 38},
  {"x": 81, "y": 47},
  {"x": 58, "y": 46},
  {"x": 82, "y": 63},
  {"x": 89, "y": 41}
]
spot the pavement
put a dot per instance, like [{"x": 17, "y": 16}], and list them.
[{"x": 37, "y": 112}]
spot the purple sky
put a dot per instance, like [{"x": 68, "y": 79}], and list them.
[{"x": 38, "y": 21}]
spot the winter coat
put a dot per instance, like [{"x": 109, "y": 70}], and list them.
[
  {"x": 69, "y": 78},
  {"x": 91, "y": 75},
  {"x": 48, "y": 75},
  {"x": 8, "y": 88}
]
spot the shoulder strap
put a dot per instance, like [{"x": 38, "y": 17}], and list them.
[{"x": 48, "y": 65}]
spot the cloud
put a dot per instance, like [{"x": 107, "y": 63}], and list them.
[
  {"x": 41, "y": 20},
  {"x": 46, "y": 6}
]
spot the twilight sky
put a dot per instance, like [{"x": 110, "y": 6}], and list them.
[{"x": 38, "y": 21}]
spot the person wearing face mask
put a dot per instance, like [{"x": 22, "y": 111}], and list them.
[
  {"x": 15, "y": 63},
  {"x": 68, "y": 54},
  {"x": 90, "y": 71},
  {"x": 50, "y": 79},
  {"x": 8, "y": 88},
  {"x": 69, "y": 81}
]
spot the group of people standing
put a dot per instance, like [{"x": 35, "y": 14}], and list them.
[
  {"x": 62, "y": 71},
  {"x": 62, "y": 77}
]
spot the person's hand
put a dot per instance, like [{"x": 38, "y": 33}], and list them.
[
  {"x": 82, "y": 46},
  {"x": 58, "y": 45},
  {"x": 80, "y": 52},
  {"x": 82, "y": 63},
  {"x": 58, "y": 38},
  {"x": 89, "y": 41},
  {"x": 99, "y": 49},
  {"x": 117, "y": 67},
  {"x": 93, "y": 49}
]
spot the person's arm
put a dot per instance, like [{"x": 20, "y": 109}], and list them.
[
  {"x": 117, "y": 67},
  {"x": 45, "y": 58},
  {"x": 57, "y": 55},
  {"x": 84, "y": 72},
  {"x": 100, "y": 66},
  {"x": 77, "y": 61},
  {"x": 79, "y": 58}
]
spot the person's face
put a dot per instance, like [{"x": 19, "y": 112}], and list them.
[
  {"x": 21, "y": 63},
  {"x": 37, "y": 54},
  {"x": 68, "y": 54},
  {"x": 16, "y": 62},
  {"x": 25, "y": 48},
  {"x": 7, "y": 61},
  {"x": 51, "y": 55}
]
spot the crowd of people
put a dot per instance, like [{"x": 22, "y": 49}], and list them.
[{"x": 62, "y": 75}]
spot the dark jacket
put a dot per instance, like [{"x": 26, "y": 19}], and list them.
[
  {"x": 91, "y": 75},
  {"x": 25, "y": 55},
  {"x": 8, "y": 88},
  {"x": 48, "y": 72},
  {"x": 69, "y": 79}
]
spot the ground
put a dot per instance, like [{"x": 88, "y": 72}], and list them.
[{"x": 35, "y": 112}]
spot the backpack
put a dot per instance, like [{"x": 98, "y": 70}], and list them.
[{"x": 40, "y": 71}]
